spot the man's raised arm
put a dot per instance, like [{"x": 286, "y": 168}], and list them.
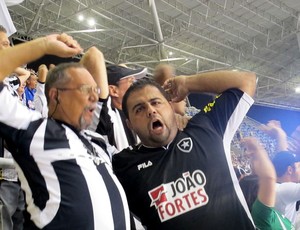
[
  {"x": 60, "y": 45},
  {"x": 212, "y": 82}
]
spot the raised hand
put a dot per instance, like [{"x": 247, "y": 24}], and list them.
[
  {"x": 273, "y": 128},
  {"x": 62, "y": 45},
  {"x": 176, "y": 88}
]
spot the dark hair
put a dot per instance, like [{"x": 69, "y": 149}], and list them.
[
  {"x": 249, "y": 185},
  {"x": 283, "y": 160},
  {"x": 138, "y": 85},
  {"x": 58, "y": 76},
  {"x": 2, "y": 29}
]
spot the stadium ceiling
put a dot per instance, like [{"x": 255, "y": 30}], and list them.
[{"x": 193, "y": 35}]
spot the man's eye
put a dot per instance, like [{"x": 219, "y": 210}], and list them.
[{"x": 138, "y": 110}]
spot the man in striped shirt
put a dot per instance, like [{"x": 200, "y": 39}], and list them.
[{"x": 65, "y": 172}]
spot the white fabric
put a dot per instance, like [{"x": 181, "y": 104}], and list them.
[
  {"x": 287, "y": 195},
  {"x": 40, "y": 101},
  {"x": 19, "y": 118},
  {"x": 5, "y": 19},
  {"x": 8, "y": 173},
  {"x": 13, "y": 2},
  {"x": 119, "y": 131}
]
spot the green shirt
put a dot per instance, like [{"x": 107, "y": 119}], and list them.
[{"x": 266, "y": 218}]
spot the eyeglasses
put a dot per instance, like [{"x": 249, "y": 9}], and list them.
[{"x": 85, "y": 89}]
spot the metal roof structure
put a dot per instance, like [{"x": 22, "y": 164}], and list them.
[{"x": 262, "y": 36}]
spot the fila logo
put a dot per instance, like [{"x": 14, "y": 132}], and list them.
[
  {"x": 185, "y": 145},
  {"x": 144, "y": 165}
]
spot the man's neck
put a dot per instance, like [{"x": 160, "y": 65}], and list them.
[
  {"x": 283, "y": 179},
  {"x": 115, "y": 104}
]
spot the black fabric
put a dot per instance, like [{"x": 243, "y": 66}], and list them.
[
  {"x": 188, "y": 184},
  {"x": 1, "y": 147},
  {"x": 63, "y": 183},
  {"x": 116, "y": 72},
  {"x": 105, "y": 126},
  {"x": 132, "y": 223}
]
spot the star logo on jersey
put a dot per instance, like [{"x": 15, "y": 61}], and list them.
[{"x": 185, "y": 145}]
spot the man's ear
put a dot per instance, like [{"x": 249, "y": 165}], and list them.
[
  {"x": 129, "y": 124},
  {"x": 53, "y": 95},
  {"x": 290, "y": 170},
  {"x": 113, "y": 91}
]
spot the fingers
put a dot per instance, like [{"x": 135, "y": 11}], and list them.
[
  {"x": 168, "y": 84},
  {"x": 42, "y": 72},
  {"x": 68, "y": 40},
  {"x": 74, "y": 46},
  {"x": 51, "y": 66},
  {"x": 274, "y": 123},
  {"x": 171, "y": 88},
  {"x": 181, "y": 121},
  {"x": 168, "y": 87}
]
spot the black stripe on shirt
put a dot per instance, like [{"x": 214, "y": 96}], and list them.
[{"x": 115, "y": 199}]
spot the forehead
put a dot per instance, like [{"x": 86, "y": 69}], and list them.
[
  {"x": 3, "y": 36},
  {"x": 33, "y": 76},
  {"x": 144, "y": 95},
  {"x": 80, "y": 76}
]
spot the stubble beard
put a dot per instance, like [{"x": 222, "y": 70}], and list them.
[{"x": 82, "y": 122}]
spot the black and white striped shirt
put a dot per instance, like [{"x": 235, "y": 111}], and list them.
[
  {"x": 111, "y": 124},
  {"x": 67, "y": 179}
]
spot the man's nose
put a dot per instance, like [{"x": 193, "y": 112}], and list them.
[
  {"x": 93, "y": 96},
  {"x": 151, "y": 111}
]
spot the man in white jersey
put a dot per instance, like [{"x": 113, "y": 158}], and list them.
[{"x": 287, "y": 166}]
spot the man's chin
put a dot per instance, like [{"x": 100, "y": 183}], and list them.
[{"x": 85, "y": 123}]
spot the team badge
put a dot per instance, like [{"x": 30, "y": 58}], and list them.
[{"x": 185, "y": 145}]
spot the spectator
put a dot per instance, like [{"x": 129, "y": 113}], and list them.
[
  {"x": 120, "y": 78},
  {"x": 185, "y": 180},
  {"x": 30, "y": 89},
  {"x": 12, "y": 202},
  {"x": 4, "y": 41},
  {"x": 20, "y": 91},
  {"x": 110, "y": 121},
  {"x": 40, "y": 101},
  {"x": 287, "y": 166},
  {"x": 66, "y": 173},
  {"x": 260, "y": 189}
]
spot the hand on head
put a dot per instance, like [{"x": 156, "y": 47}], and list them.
[
  {"x": 62, "y": 45},
  {"x": 176, "y": 89}
]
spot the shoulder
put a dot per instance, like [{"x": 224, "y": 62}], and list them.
[{"x": 126, "y": 157}]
